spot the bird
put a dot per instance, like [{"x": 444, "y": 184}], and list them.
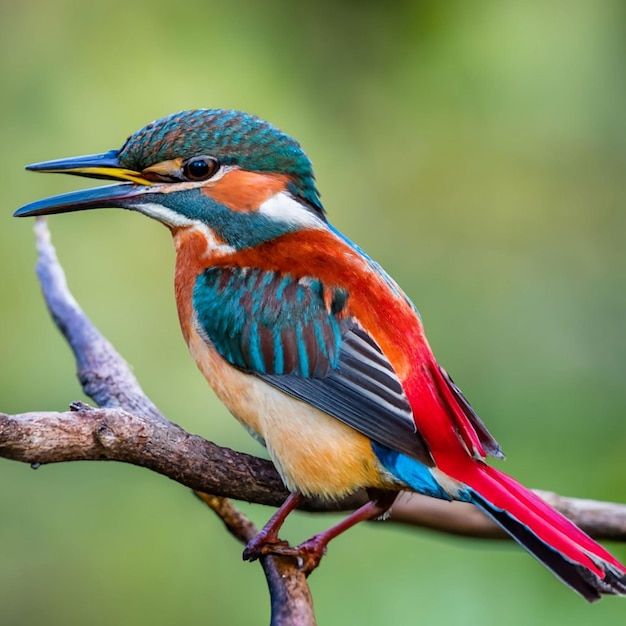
[{"x": 308, "y": 342}]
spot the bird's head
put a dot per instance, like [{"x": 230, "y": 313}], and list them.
[{"x": 226, "y": 170}]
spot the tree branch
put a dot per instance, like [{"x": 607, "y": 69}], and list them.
[
  {"x": 88, "y": 434},
  {"x": 601, "y": 520}
]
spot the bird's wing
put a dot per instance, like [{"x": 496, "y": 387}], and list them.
[{"x": 298, "y": 336}]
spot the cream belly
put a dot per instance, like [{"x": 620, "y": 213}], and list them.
[{"x": 315, "y": 454}]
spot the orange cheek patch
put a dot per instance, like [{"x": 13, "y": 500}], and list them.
[{"x": 240, "y": 190}]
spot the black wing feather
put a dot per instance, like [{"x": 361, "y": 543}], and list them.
[{"x": 364, "y": 393}]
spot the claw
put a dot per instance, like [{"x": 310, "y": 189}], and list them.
[
  {"x": 260, "y": 546},
  {"x": 308, "y": 554}
]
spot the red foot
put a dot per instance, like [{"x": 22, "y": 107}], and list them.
[
  {"x": 260, "y": 545},
  {"x": 307, "y": 554},
  {"x": 310, "y": 553}
]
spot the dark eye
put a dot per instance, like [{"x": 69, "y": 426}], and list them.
[{"x": 200, "y": 168}]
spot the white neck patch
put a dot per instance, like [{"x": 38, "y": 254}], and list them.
[
  {"x": 282, "y": 207},
  {"x": 163, "y": 214}
]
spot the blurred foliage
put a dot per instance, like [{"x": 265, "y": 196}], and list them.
[{"x": 477, "y": 149}]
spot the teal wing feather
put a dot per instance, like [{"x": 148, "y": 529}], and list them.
[
  {"x": 269, "y": 323},
  {"x": 297, "y": 336}
]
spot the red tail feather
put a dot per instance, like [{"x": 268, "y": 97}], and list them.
[
  {"x": 547, "y": 534},
  {"x": 547, "y": 523}
]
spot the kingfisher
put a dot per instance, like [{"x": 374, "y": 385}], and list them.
[{"x": 308, "y": 342}]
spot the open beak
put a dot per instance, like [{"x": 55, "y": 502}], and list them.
[{"x": 103, "y": 166}]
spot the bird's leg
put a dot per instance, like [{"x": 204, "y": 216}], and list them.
[
  {"x": 310, "y": 553},
  {"x": 267, "y": 539}
]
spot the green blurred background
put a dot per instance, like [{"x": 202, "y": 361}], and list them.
[{"x": 476, "y": 149}]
